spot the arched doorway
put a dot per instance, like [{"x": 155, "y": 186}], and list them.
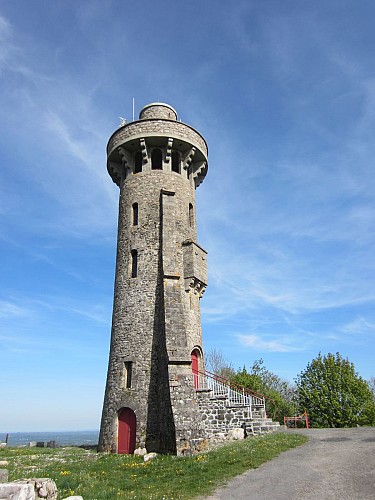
[
  {"x": 127, "y": 425},
  {"x": 195, "y": 365}
]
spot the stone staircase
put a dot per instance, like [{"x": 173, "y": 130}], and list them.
[{"x": 225, "y": 406}]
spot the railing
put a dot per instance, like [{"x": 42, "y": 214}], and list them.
[
  {"x": 234, "y": 394},
  {"x": 292, "y": 421}
]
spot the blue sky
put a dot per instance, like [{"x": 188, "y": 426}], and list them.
[{"x": 283, "y": 92}]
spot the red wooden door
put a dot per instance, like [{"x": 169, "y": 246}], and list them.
[
  {"x": 195, "y": 367},
  {"x": 127, "y": 424}
]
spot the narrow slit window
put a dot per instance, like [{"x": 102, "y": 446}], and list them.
[
  {"x": 138, "y": 160},
  {"x": 128, "y": 365},
  {"x": 156, "y": 159},
  {"x": 134, "y": 269},
  {"x": 135, "y": 214},
  {"x": 191, "y": 215},
  {"x": 176, "y": 162}
]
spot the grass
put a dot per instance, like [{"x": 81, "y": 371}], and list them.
[{"x": 97, "y": 476}]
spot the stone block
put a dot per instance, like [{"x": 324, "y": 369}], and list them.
[
  {"x": 13, "y": 491},
  {"x": 235, "y": 434},
  {"x": 42, "y": 487},
  {"x": 140, "y": 452},
  {"x": 4, "y": 476},
  {"x": 149, "y": 456}
]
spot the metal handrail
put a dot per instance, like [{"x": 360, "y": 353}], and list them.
[
  {"x": 235, "y": 384},
  {"x": 238, "y": 396}
]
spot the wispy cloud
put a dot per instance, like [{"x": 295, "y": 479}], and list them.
[
  {"x": 59, "y": 122},
  {"x": 259, "y": 343},
  {"x": 359, "y": 326},
  {"x": 11, "y": 309}
]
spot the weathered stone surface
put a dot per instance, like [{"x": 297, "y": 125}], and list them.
[
  {"x": 235, "y": 434},
  {"x": 4, "y": 476},
  {"x": 13, "y": 491},
  {"x": 149, "y": 456},
  {"x": 42, "y": 487},
  {"x": 32, "y": 444},
  {"x": 4, "y": 463},
  {"x": 73, "y": 498},
  {"x": 140, "y": 451}
]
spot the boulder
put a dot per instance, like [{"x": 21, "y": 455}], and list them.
[
  {"x": 149, "y": 456},
  {"x": 73, "y": 498},
  {"x": 140, "y": 452},
  {"x": 4, "y": 463}
]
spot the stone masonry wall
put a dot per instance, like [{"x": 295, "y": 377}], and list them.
[
  {"x": 145, "y": 315},
  {"x": 156, "y": 319},
  {"x": 156, "y": 127},
  {"x": 158, "y": 110},
  {"x": 217, "y": 417}
]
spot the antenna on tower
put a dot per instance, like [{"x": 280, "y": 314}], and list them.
[{"x": 133, "y": 108}]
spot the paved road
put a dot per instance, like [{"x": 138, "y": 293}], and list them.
[{"x": 335, "y": 464}]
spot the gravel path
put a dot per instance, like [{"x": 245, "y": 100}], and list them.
[{"x": 335, "y": 464}]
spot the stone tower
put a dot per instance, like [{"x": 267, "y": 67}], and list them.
[{"x": 156, "y": 341}]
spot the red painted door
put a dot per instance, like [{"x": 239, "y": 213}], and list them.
[
  {"x": 127, "y": 424},
  {"x": 194, "y": 367}
]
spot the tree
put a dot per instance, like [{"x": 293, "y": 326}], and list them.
[
  {"x": 333, "y": 393},
  {"x": 280, "y": 395},
  {"x": 217, "y": 363},
  {"x": 371, "y": 384}
]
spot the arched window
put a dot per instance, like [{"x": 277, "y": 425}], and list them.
[
  {"x": 135, "y": 214},
  {"x": 191, "y": 215},
  {"x": 156, "y": 159},
  {"x": 134, "y": 268},
  {"x": 176, "y": 162},
  {"x": 138, "y": 160}
]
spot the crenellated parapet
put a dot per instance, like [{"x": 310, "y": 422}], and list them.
[{"x": 157, "y": 128}]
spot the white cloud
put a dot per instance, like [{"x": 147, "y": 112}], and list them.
[
  {"x": 11, "y": 309},
  {"x": 359, "y": 326},
  {"x": 259, "y": 343}
]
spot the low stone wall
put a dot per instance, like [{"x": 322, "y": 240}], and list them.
[{"x": 218, "y": 418}]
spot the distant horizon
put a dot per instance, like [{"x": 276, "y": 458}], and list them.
[{"x": 47, "y": 432}]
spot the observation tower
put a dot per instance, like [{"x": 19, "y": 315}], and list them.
[{"x": 156, "y": 341}]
